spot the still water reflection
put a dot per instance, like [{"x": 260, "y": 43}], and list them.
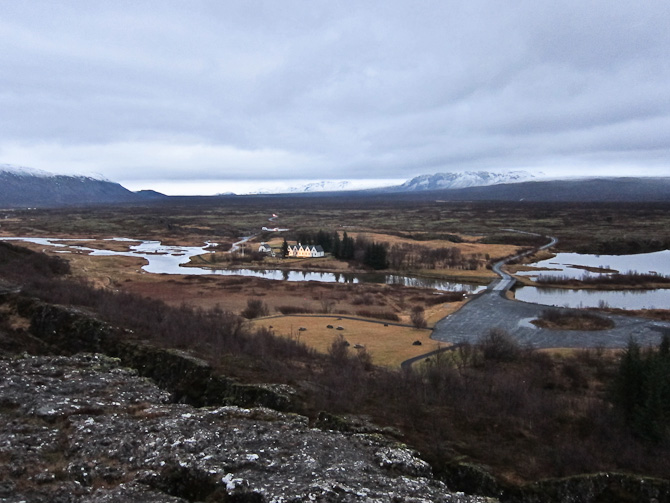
[
  {"x": 572, "y": 264},
  {"x": 621, "y": 299},
  {"x": 164, "y": 259}
]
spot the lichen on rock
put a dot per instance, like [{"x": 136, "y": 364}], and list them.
[{"x": 84, "y": 429}]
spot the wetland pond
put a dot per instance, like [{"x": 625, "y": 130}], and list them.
[
  {"x": 573, "y": 265},
  {"x": 621, "y": 299},
  {"x": 164, "y": 259},
  {"x": 576, "y": 265}
]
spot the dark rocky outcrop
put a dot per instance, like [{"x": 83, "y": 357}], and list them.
[
  {"x": 190, "y": 379},
  {"x": 84, "y": 429},
  {"x": 87, "y": 427}
]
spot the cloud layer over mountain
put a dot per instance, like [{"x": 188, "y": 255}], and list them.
[{"x": 216, "y": 93}]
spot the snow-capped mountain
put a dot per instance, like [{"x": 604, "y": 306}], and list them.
[
  {"x": 28, "y": 187},
  {"x": 317, "y": 186},
  {"x": 323, "y": 186},
  {"x": 462, "y": 180},
  {"x": 28, "y": 172},
  {"x": 23, "y": 171}
]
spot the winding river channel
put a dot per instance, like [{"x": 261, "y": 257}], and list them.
[{"x": 163, "y": 259}]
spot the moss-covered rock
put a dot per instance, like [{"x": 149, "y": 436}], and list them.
[{"x": 471, "y": 478}]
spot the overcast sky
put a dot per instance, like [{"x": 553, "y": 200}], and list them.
[{"x": 212, "y": 96}]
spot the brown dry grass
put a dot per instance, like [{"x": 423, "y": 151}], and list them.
[
  {"x": 480, "y": 276},
  {"x": 563, "y": 320},
  {"x": 469, "y": 246},
  {"x": 13, "y": 320},
  {"x": 388, "y": 345}
]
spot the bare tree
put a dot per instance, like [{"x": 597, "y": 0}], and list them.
[{"x": 417, "y": 317}]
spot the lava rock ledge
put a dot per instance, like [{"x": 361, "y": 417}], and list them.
[{"x": 85, "y": 429}]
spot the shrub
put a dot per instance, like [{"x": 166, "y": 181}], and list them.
[
  {"x": 445, "y": 297},
  {"x": 573, "y": 320},
  {"x": 499, "y": 346},
  {"x": 255, "y": 309},
  {"x": 417, "y": 317},
  {"x": 641, "y": 390},
  {"x": 19, "y": 262},
  {"x": 380, "y": 315},
  {"x": 339, "y": 350},
  {"x": 294, "y": 310},
  {"x": 363, "y": 300}
]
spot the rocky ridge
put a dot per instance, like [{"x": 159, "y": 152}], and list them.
[
  {"x": 80, "y": 428},
  {"x": 84, "y": 429}
]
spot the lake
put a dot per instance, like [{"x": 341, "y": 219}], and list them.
[
  {"x": 568, "y": 264},
  {"x": 622, "y": 299},
  {"x": 571, "y": 265}
]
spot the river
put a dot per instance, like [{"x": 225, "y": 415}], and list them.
[{"x": 163, "y": 259}]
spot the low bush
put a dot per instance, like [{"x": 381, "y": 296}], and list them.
[
  {"x": 22, "y": 264},
  {"x": 572, "y": 320},
  {"x": 294, "y": 310},
  {"x": 417, "y": 317},
  {"x": 499, "y": 346},
  {"x": 255, "y": 309},
  {"x": 380, "y": 315},
  {"x": 363, "y": 300},
  {"x": 629, "y": 279},
  {"x": 444, "y": 298}
]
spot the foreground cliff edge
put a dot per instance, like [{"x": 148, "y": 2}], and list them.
[
  {"x": 88, "y": 427},
  {"x": 82, "y": 428}
]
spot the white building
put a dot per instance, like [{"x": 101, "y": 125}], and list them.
[{"x": 305, "y": 251}]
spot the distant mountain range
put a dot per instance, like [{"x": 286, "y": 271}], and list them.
[
  {"x": 26, "y": 187},
  {"x": 517, "y": 186},
  {"x": 323, "y": 186},
  {"x": 462, "y": 180},
  {"x": 600, "y": 189},
  {"x": 320, "y": 186},
  {"x": 419, "y": 183}
]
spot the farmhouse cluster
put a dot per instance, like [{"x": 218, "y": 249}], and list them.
[{"x": 296, "y": 251}]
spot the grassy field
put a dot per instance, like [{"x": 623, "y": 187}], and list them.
[{"x": 388, "y": 345}]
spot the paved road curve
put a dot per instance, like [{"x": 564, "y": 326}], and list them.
[{"x": 491, "y": 309}]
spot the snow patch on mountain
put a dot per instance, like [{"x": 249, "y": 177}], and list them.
[
  {"x": 323, "y": 186},
  {"x": 24, "y": 171},
  {"x": 464, "y": 179},
  {"x": 308, "y": 186}
]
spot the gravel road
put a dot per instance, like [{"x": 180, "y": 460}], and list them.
[{"x": 491, "y": 309}]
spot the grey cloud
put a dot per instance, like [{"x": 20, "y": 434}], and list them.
[{"x": 328, "y": 90}]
